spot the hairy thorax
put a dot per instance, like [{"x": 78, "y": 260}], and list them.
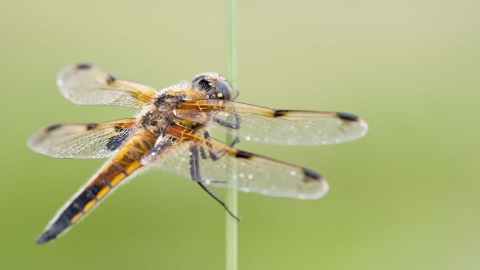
[{"x": 159, "y": 115}]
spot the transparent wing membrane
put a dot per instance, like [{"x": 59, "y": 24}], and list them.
[
  {"x": 270, "y": 126},
  {"x": 254, "y": 173},
  {"x": 75, "y": 140},
  {"x": 88, "y": 84}
]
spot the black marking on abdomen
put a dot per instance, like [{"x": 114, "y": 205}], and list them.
[
  {"x": 242, "y": 154},
  {"x": 280, "y": 113},
  {"x": 311, "y": 175},
  {"x": 89, "y": 194},
  {"x": 84, "y": 66},
  {"x": 347, "y": 116},
  {"x": 63, "y": 221},
  {"x": 53, "y": 127},
  {"x": 55, "y": 229}
]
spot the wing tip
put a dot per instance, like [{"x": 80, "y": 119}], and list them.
[
  {"x": 36, "y": 140},
  {"x": 75, "y": 66},
  {"x": 317, "y": 183},
  {"x": 32, "y": 142},
  {"x": 311, "y": 175},
  {"x": 364, "y": 126},
  {"x": 348, "y": 117},
  {"x": 63, "y": 75},
  {"x": 324, "y": 187}
]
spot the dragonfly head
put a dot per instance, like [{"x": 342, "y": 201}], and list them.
[{"x": 213, "y": 84}]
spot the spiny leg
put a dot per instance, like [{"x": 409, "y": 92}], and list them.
[
  {"x": 195, "y": 174},
  {"x": 218, "y": 200},
  {"x": 225, "y": 123},
  {"x": 203, "y": 154},
  {"x": 214, "y": 156},
  {"x": 194, "y": 163}
]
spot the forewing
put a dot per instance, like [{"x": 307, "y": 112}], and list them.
[
  {"x": 253, "y": 173},
  {"x": 270, "y": 126},
  {"x": 82, "y": 141},
  {"x": 87, "y": 84}
]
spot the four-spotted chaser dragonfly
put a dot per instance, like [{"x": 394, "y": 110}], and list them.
[{"x": 171, "y": 133}]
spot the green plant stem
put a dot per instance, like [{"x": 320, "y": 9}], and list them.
[{"x": 231, "y": 225}]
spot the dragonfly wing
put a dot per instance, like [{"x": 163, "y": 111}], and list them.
[
  {"x": 75, "y": 140},
  {"x": 270, "y": 126},
  {"x": 254, "y": 173},
  {"x": 87, "y": 84}
]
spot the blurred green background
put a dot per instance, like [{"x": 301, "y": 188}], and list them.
[{"x": 404, "y": 197}]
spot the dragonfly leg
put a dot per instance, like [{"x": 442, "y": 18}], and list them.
[
  {"x": 236, "y": 95},
  {"x": 235, "y": 125},
  {"x": 228, "y": 124},
  {"x": 214, "y": 156},
  {"x": 196, "y": 176},
  {"x": 203, "y": 154},
  {"x": 225, "y": 123},
  {"x": 218, "y": 200}
]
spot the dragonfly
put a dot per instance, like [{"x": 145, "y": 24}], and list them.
[{"x": 171, "y": 133}]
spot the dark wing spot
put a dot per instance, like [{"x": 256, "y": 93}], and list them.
[
  {"x": 91, "y": 126},
  {"x": 115, "y": 142},
  {"x": 53, "y": 127},
  {"x": 280, "y": 113},
  {"x": 84, "y": 66},
  {"x": 347, "y": 116},
  {"x": 242, "y": 154},
  {"x": 111, "y": 79},
  {"x": 310, "y": 175}
]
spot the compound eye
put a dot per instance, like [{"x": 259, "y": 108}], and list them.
[
  {"x": 200, "y": 81},
  {"x": 199, "y": 77},
  {"x": 204, "y": 84},
  {"x": 224, "y": 91}
]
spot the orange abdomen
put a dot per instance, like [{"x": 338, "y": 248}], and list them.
[{"x": 122, "y": 165}]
